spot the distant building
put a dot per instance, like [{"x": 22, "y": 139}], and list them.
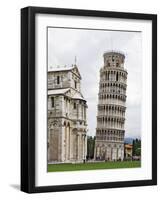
[
  {"x": 67, "y": 124},
  {"x": 111, "y": 108},
  {"x": 128, "y": 150}
]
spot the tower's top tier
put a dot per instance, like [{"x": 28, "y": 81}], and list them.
[{"x": 113, "y": 59}]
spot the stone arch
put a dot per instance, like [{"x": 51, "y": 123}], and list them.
[
  {"x": 103, "y": 119},
  {"x": 117, "y": 76}
]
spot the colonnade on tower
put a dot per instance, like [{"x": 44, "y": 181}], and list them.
[{"x": 111, "y": 108}]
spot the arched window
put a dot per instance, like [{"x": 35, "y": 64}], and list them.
[
  {"x": 75, "y": 106},
  {"x": 108, "y": 76},
  {"x": 75, "y": 84},
  {"x": 58, "y": 79},
  {"x": 117, "y": 76},
  {"x": 52, "y": 102}
]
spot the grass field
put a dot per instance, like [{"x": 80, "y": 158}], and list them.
[{"x": 92, "y": 166}]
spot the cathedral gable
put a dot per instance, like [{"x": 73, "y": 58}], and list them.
[{"x": 76, "y": 71}]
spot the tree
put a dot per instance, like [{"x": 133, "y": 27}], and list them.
[
  {"x": 138, "y": 152},
  {"x": 136, "y": 147}
]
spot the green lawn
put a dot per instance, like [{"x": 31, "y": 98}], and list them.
[{"x": 92, "y": 166}]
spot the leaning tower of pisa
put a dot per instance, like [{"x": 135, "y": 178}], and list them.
[{"x": 111, "y": 108}]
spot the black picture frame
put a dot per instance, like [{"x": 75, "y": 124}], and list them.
[{"x": 28, "y": 98}]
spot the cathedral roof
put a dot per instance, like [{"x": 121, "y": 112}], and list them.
[
  {"x": 57, "y": 69},
  {"x": 78, "y": 95},
  {"x": 57, "y": 91},
  {"x": 73, "y": 68}
]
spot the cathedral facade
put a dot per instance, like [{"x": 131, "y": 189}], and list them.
[
  {"x": 111, "y": 108},
  {"x": 67, "y": 124}
]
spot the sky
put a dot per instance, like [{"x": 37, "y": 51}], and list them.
[{"x": 88, "y": 46}]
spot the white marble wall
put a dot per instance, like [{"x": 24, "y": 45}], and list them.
[{"x": 67, "y": 124}]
